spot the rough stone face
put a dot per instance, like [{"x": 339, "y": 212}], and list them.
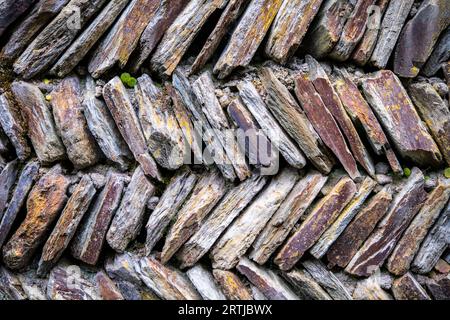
[
  {"x": 10, "y": 286},
  {"x": 247, "y": 36},
  {"x": 407, "y": 288},
  {"x": 396, "y": 112},
  {"x": 45, "y": 202},
  {"x": 371, "y": 289},
  {"x": 11, "y": 10},
  {"x": 306, "y": 285},
  {"x": 320, "y": 219},
  {"x": 231, "y": 285},
  {"x": 68, "y": 114},
  {"x": 106, "y": 288},
  {"x": 419, "y": 37},
  {"x": 41, "y": 127},
  {"x": 7, "y": 180},
  {"x": 204, "y": 282},
  {"x": 440, "y": 55}
]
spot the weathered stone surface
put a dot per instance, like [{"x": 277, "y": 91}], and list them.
[
  {"x": 71, "y": 124},
  {"x": 407, "y": 288},
  {"x": 434, "y": 244},
  {"x": 23, "y": 34},
  {"x": 10, "y": 286},
  {"x": 371, "y": 289},
  {"x": 56, "y": 37},
  {"x": 327, "y": 27},
  {"x": 159, "y": 125},
  {"x": 323, "y": 121},
  {"x": 24, "y": 183},
  {"x": 128, "y": 219},
  {"x": 242, "y": 233},
  {"x": 396, "y": 112},
  {"x": 327, "y": 280},
  {"x": 229, "y": 15},
  {"x": 45, "y": 202},
  {"x": 88, "y": 241},
  {"x": 123, "y": 113},
  {"x": 35, "y": 288},
  {"x": 323, "y": 86},
  {"x": 220, "y": 218},
  {"x": 41, "y": 127},
  {"x": 435, "y": 113},
  {"x": 382, "y": 241},
  {"x": 286, "y": 109},
  {"x": 12, "y": 126},
  {"x": 353, "y": 31},
  {"x": 165, "y": 281},
  {"x": 348, "y": 243},
  {"x": 289, "y": 28},
  {"x": 8, "y": 178},
  {"x": 267, "y": 281},
  {"x": 203, "y": 281},
  {"x": 287, "y": 215},
  {"x": 306, "y": 285},
  {"x": 106, "y": 288},
  {"x": 360, "y": 113},
  {"x": 10, "y": 10},
  {"x": 440, "y": 55},
  {"x": 123, "y": 266},
  {"x": 232, "y": 287},
  {"x": 204, "y": 90},
  {"x": 269, "y": 125},
  {"x": 329, "y": 237},
  {"x": 171, "y": 201},
  {"x": 67, "y": 224},
  {"x": 320, "y": 219},
  {"x": 391, "y": 26},
  {"x": 210, "y": 188},
  {"x": 247, "y": 36},
  {"x": 419, "y": 37},
  {"x": 180, "y": 35},
  {"x": 407, "y": 247},
  {"x": 439, "y": 287},
  {"x": 88, "y": 38}
]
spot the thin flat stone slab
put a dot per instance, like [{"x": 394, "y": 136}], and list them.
[
  {"x": 232, "y": 287},
  {"x": 203, "y": 281},
  {"x": 159, "y": 125},
  {"x": 400, "y": 260},
  {"x": 382, "y": 241},
  {"x": 247, "y": 36},
  {"x": 419, "y": 37},
  {"x": 434, "y": 244},
  {"x": 90, "y": 237},
  {"x": 394, "y": 108},
  {"x": 13, "y": 126},
  {"x": 231, "y": 205},
  {"x": 45, "y": 202},
  {"x": 167, "y": 282},
  {"x": 67, "y": 224},
  {"x": 267, "y": 281},
  {"x": 316, "y": 223},
  {"x": 323, "y": 121},
  {"x": 175, "y": 194},
  {"x": 391, "y": 26},
  {"x": 294, "y": 121},
  {"x": 40, "y": 124},
  {"x": 287, "y": 215},
  {"x": 122, "y": 111},
  {"x": 10, "y": 286},
  {"x": 23, "y": 34},
  {"x": 106, "y": 288},
  {"x": 361, "y": 113},
  {"x": 128, "y": 219},
  {"x": 26, "y": 180},
  {"x": 440, "y": 55},
  {"x": 269, "y": 125},
  {"x": 329, "y": 237},
  {"x": 348, "y": 243},
  {"x": 210, "y": 188},
  {"x": 242, "y": 233},
  {"x": 229, "y": 15},
  {"x": 302, "y": 281},
  {"x": 371, "y": 289},
  {"x": 67, "y": 107},
  {"x": 34, "y": 287},
  {"x": 8, "y": 178},
  {"x": 289, "y": 28},
  {"x": 407, "y": 288},
  {"x": 330, "y": 98},
  {"x": 435, "y": 113},
  {"x": 10, "y": 10},
  {"x": 56, "y": 37},
  {"x": 180, "y": 35}
]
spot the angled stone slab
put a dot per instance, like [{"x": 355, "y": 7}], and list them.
[
  {"x": 106, "y": 288},
  {"x": 10, "y": 286},
  {"x": 203, "y": 281},
  {"x": 316, "y": 223},
  {"x": 11, "y": 10},
  {"x": 304, "y": 283},
  {"x": 371, "y": 289},
  {"x": 407, "y": 288},
  {"x": 440, "y": 55},
  {"x": 382, "y": 241},
  {"x": 232, "y": 287},
  {"x": 247, "y": 36},
  {"x": 8, "y": 178},
  {"x": 399, "y": 118}
]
